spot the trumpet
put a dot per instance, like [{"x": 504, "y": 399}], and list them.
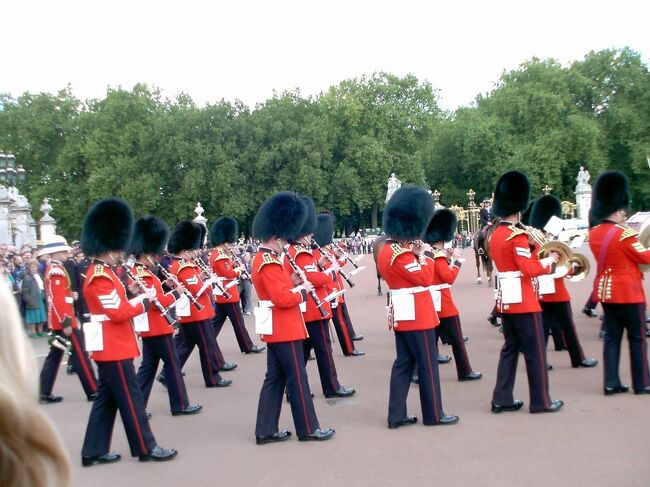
[
  {"x": 57, "y": 341},
  {"x": 329, "y": 257},
  {"x": 171, "y": 277},
  {"x": 165, "y": 312},
  {"x": 198, "y": 260},
  {"x": 303, "y": 278}
]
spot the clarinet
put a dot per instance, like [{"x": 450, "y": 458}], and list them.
[
  {"x": 235, "y": 257},
  {"x": 303, "y": 279},
  {"x": 171, "y": 277},
  {"x": 346, "y": 256},
  {"x": 327, "y": 255},
  {"x": 163, "y": 311},
  {"x": 198, "y": 260}
]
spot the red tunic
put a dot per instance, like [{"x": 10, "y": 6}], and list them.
[
  {"x": 319, "y": 279},
  {"x": 273, "y": 283},
  {"x": 222, "y": 266},
  {"x": 561, "y": 294},
  {"x": 59, "y": 297},
  {"x": 401, "y": 269},
  {"x": 510, "y": 252},
  {"x": 444, "y": 274},
  {"x": 620, "y": 279},
  {"x": 190, "y": 276},
  {"x": 105, "y": 295},
  {"x": 157, "y": 323}
]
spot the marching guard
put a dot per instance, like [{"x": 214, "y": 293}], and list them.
[
  {"x": 223, "y": 232},
  {"x": 618, "y": 285},
  {"x": 412, "y": 316},
  {"x": 63, "y": 323},
  {"x": 316, "y": 317},
  {"x": 107, "y": 230},
  {"x": 280, "y": 322},
  {"x": 517, "y": 300},
  {"x": 149, "y": 240},
  {"x": 441, "y": 229}
]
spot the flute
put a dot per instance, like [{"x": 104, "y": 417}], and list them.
[
  {"x": 327, "y": 255},
  {"x": 163, "y": 311},
  {"x": 304, "y": 279},
  {"x": 171, "y": 277}
]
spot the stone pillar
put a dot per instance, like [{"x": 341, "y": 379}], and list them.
[
  {"x": 47, "y": 224},
  {"x": 5, "y": 219}
]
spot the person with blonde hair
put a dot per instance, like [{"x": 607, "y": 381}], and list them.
[{"x": 31, "y": 451}]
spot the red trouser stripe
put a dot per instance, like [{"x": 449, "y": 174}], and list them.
[
  {"x": 540, "y": 351},
  {"x": 127, "y": 394},
  {"x": 430, "y": 369},
  {"x": 76, "y": 348},
  {"x": 344, "y": 328},
  {"x": 302, "y": 393},
  {"x": 177, "y": 372}
]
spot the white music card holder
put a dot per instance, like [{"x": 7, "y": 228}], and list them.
[
  {"x": 94, "y": 333},
  {"x": 436, "y": 295},
  {"x": 141, "y": 323},
  {"x": 183, "y": 306},
  {"x": 263, "y": 319},
  {"x": 403, "y": 306},
  {"x": 510, "y": 290},
  {"x": 546, "y": 284}
]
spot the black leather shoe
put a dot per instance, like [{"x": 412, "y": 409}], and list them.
[
  {"x": 108, "y": 458},
  {"x": 601, "y": 334},
  {"x": 191, "y": 409},
  {"x": 610, "y": 391},
  {"x": 492, "y": 319},
  {"x": 50, "y": 398},
  {"x": 357, "y": 353},
  {"x": 589, "y": 312},
  {"x": 588, "y": 362},
  {"x": 274, "y": 438},
  {"x": 357, "y": 338},
  {"x": 645, "y": 390},
  {"x": 342, "y": 392},
  {"x": 465, "y": 339},
  {"x": 515, "y": 406},
  {"x": 147, "y": 414},
  {"x": 444, "y": 359},
  {"x": 228, "y": 366},
  {"x": 91, "y": 397},
  {"x": 158, "y": 454},
  {"x": 405, "y": 422},
  {"x": 415, "y": 379},
  {"x": 555, "y": 406},
  {"x": 256, "y": 349},
  {"x": 222, "y": 383},
  {"x": 549, "y": 367},
  {"x": 318, "y": 435},
  {"x": 471, "y": 376},
  {"x": 70, "y": 369},
  {"x": 448, "y": 419},
  {"x": 161, "y": 378}
]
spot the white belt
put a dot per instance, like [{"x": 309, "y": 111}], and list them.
[
  {"x": 505, "y": 275},
  {"x": 408, "y": 290},
  {"x": 96, "y": 318},
  {"x": 265, "y": 304},
  {"x": 438, "y": 287}
]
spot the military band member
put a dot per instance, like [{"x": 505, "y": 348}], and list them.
[
  {"x": 340, "y": 318},
  {"x": 517, "y": 300},
  {"x": 149, "y": 240},
  {"x": 618, "y": 284},
  {"x": 62, "y": 321},
  {"x": 317, "y": 325},
  {"x": 223, "y": 232},
  {"x": 441, "y": 229},
  {"x": 106, "y": 232},
  {"x": 405, "y": 218},
  {"x": 554, "y": 297},
  {"x": 196, "y": 324},
  {"x": 279, "y": 220}
]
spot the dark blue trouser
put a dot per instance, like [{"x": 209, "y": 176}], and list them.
[
  {"x": 559, "y": 316},
  {"x": 450, "y": 328},
  {"x": 285, "y": 367},
  {"x": 522, "y": 332},
  {"x": 158, "y": 348},
  {"x": 342, "y": 330},
  {"x": 80, "y": 361},
  {"x": 201, "y": 334},
  {"x": 319, "y": 339},
  {"x": 415, "y": 348},
  {"x": 117, "y": 389},
  {"x": 233, "y": 312},
  {"x": 630, "y": 317}
]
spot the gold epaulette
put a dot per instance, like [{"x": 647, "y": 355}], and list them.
[
  {"x": 398, "y": 249},
  {"x": 142, "y": 271},
  {"x": 182, "y": 264},
  {"x": 516, "y": 231},
  {"x": 627, "y": 232},
  {"x": 221, "y": 255},
  {"x": 98, "y": 271},
  {"x": 301, "y": 250},
  {"x": 268, "y": 258},
  {"x": 439, "y": 254}
]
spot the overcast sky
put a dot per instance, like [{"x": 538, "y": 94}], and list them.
[{"x": 246, "y": 49}]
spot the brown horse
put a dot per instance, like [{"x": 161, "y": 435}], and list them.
[
  {"x": 482, "y": 253},
  {"x": 376, "y": 248}
]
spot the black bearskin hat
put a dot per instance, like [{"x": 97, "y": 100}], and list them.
[
  {"x": 203, "y": 231},
  {"x": 407, "y": 213},
  {"x": 543, "y": 209},
  {"x": 224, "y": 230},
  {"x": 310, "y": 222},
  {"x": 149, "y": 236},
  {"x": 442, "y": 226},
  {"x": 324, "y": 228},
  {"x": 525, "y": 215},
  {"x": 610, "y": 194},
  {"x": 185, "y": 236},
  {"x": 592, "y": 221},
  {"x": 512, "y": 194},
  {"x": 281, "y": 215},
  {"x": 107, "y": 226}
]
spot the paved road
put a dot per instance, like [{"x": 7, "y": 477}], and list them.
[{"x": 594, "y": 441}]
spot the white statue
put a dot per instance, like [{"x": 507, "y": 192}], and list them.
[
  {"x": 583, "y": 177},
  {"x": 393, "y": 185},
  {"x": 583, "y": 194}
]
